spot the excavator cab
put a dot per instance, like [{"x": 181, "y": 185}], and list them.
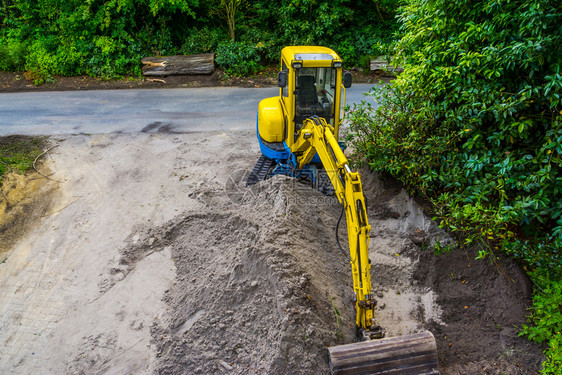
[
  {"x": 311, "y": 83},
  {"x": 298, "y": 135},
  {"x": 314, "y": 94}
]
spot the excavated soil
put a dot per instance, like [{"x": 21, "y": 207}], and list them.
[
  {"x": 261, "y": 288},
  {"x": 157, "y": 259}
]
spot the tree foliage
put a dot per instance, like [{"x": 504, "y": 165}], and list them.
[
  {"x": 95, "y": 37},
  {"x": 227, "y": 10},
  {"x": 475, "y": 124},
  {"x": 109, "y": 37}
]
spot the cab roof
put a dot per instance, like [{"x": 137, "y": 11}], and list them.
[{"x": 309, "y": 53}]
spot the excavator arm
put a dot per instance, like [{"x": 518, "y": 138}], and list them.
[
  {"x": 316, "y": 136},
  {"x": 411, "y": 354}
]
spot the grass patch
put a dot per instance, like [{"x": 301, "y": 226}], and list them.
[{"x": 17, "y": 153}]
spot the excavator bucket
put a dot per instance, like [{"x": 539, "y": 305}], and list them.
[{"x": 405, "y": 355}]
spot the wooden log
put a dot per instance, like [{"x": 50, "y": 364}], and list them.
[
  {"x": 382, "y": 63},
  {"x": 379, "y": 63},
  {"x": 412, "y": 354},
  {"x": 178, "y": 65}
]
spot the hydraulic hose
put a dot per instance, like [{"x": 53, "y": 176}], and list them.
[{"x": 338, "y": 237}]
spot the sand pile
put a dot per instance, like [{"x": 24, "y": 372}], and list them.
[{"x": 261, "y": 286}]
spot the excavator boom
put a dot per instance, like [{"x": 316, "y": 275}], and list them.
[
  {"x": 413, "y": 354},
  {"x": 317, "y": 136}
]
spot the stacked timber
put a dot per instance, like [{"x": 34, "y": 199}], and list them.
[
  {"x": 178, "y": 65},
  {"x": 382, "y": 64}
]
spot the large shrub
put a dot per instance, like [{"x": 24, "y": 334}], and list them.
[
  {"x": 238, "y": 58},
  {"x": 475, "y": 124},
  {"x": 108, "y": 38},
  {"x": 99, "y": 37},
  {"x": 352, "y": 28},
  {"x": 12, "y": 55}
]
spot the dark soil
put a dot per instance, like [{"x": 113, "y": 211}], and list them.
[
  {"x": 484, "y": 304},
  {"x": 17, "y": 81}
]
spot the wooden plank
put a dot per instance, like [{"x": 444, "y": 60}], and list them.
[
  {"x": 378, "y": 63},
  {"x": 382, "y": 63},
  {"x": 178, "y": 65},
  {"x": 412, "y": 354}
]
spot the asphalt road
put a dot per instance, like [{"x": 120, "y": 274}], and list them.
[{"x": 128, "y": 111}]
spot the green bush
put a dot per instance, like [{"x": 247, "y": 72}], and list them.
[
  {"x": 269, "y": 44},
  {"x": 371, "y": 40},
  {"x": 108, "y": 38},
  {"x": 100, "y": 38},
  {"x": 346, "y": 50},
  {"x": 546, "y": 319},
  {"x": 12, "y": 54},
  {"x": 474, "y": 123},
  {"x": 204, "y": 40},
  {"x": 239, "y": 59}
]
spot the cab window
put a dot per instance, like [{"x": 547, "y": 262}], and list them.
[
  {"x": 285, "y": 91},
  {"x": 314, "y": 94}
]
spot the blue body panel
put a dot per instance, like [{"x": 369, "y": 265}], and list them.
[{"x": 279, "y": 156}]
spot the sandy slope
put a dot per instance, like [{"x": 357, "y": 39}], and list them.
[{"x": 55, "y": 299}]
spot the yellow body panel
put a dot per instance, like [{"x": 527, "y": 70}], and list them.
[
  {"x": 310, "y": 56},
  {"x": 270, "y": 120}
]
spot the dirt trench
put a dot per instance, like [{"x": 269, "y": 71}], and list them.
[{"x": 157, "y": 260}]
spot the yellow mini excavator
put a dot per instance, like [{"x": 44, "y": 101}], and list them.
[{"x": 298, "y": 136}]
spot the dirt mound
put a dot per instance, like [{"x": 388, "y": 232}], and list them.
[{"x": 261, "y": 288}]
